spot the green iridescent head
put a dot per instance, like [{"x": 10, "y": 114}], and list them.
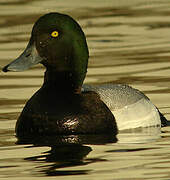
[{"x": 58, "y": 42}]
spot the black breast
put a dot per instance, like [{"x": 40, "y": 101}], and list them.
[{"x": 53, "y": 113}]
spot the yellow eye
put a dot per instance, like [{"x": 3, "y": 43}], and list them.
[{"x": 54, "y": 34}]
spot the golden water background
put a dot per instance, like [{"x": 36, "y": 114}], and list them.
[{"x": 129, "y": 42}]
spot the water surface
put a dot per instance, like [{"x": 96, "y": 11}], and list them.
[{"x": 129, "y": 42}]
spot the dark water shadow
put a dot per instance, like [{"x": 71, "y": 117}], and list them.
[
  {"x": 62, "y": 156},
  {"x": 66, "y": 151}
]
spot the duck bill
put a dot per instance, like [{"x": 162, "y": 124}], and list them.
[{"x": 27, "y": 59}]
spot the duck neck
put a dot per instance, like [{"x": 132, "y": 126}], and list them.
[{"x": 63, "y": 82}]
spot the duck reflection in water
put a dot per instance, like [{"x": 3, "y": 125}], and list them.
[
  {"x": 66, "y": 151},
  {"x": 70, "y": 155}
]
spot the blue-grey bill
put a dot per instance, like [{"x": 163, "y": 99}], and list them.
[{"x": 27, "y": 59}]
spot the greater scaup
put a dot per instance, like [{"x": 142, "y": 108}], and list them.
[{"x": 63, "y": 105}]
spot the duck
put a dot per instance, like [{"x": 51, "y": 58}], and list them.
[{"x": 64, "y": 105}]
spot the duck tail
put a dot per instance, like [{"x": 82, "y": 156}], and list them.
[{"x": 164, "y": 121}]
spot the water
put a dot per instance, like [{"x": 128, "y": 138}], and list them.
[{"x": 129, "y": 42}]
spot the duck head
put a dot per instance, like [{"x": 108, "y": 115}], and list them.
[{"x": 58, "y": 42}]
